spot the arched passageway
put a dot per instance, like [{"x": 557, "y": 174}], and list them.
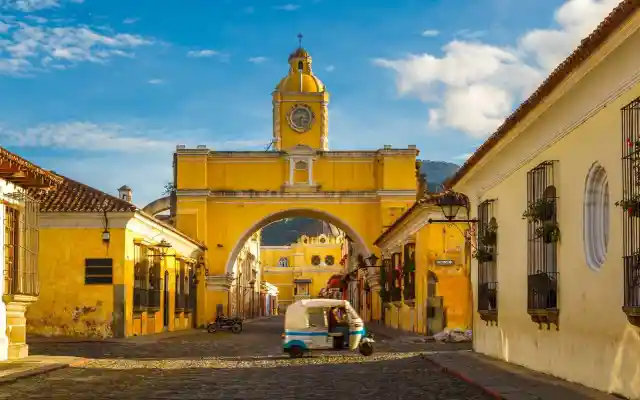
[{"x": 360, "y": 245}]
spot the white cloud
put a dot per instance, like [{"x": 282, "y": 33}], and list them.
[
  {"x": 30, "y": 48},
  {"x": 430, "y": 33},
  {"x": 474, "y": 85},
  {"x": 288, "y": 7},
  {"x": 34, "y": 5},
  {"x": 330, "y": 68},
  {"x": 155, "y": 81},
  {"x": 469, "y": 35},
  {"x": 257, "y": 60},
  {"x": 109, "y": 155},
  {"x": 202, "y": 53},
  {"x": 129, "y": 21}
]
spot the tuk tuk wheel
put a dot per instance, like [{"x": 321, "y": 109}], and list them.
[
  {"x": 366, "y": 349},
  {"x": 237, "y": 328},
  {"x": 296, "y": 352},
  {"x": 212, "y": 328}
]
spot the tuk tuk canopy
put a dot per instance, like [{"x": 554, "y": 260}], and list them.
[{"x": 297, "y": 315}]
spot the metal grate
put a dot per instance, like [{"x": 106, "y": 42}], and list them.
[
  {"x": 140, "y": 277},
  {"x": 631, "y": 204},
  {"x": 543, "y": 234},
  {"x": 21, "y": 245},
  {"x": 486, "y": 254}
]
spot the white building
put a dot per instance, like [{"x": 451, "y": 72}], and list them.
[{"x": 19, "y": 179}]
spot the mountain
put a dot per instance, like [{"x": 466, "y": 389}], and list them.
[
  {"x": 437, "y": 172},
  {"x": 288, "y": 231}
]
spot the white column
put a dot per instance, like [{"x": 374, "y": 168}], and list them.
[
  {"x": 292, "y": 164},
  {"x": 310, "y": 170}
]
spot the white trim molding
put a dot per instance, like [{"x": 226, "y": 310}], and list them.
[{"x": 219, "y": 283}]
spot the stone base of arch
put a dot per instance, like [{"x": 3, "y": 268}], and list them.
[{"x": 215, "y": 298}]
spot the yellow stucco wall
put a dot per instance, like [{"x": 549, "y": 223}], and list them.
[
  {"x": 66, "y": 305},
  {"x": 69, "y": 307},
  {"x": 595, "y": 344},
  {"x": 433, "y": 242}
]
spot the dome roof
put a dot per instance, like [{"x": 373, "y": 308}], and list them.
[{"x": 300, "y": 82}]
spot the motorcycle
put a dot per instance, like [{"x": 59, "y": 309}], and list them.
[{"x": 234, "y": 324}]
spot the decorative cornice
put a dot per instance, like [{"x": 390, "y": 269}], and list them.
[
  {"x": 277, "y": 194},
  {"x": 219, "y": 282}
]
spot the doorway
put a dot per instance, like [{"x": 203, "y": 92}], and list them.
[{"x": 165, "y": 303}]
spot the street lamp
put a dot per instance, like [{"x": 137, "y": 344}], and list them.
[
  {"x": 450, "y": 203},
  {"x": 163, "y": 246}
]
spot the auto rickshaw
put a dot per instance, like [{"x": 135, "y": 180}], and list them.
[{"x": 308, "y": 327}]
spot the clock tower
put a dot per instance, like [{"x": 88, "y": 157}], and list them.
[{"x": 300, "y": 115}]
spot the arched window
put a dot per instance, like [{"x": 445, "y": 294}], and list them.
[
  {"x": 596, "y": 216},
  {"x": 301, "y": 165},
  {"x": 283, "y": 262}
]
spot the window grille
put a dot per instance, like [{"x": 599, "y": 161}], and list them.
[
  {"x": 21, "y": 245},
  {"x": 486, "y": 255},
  {"x": 543, "y": 233},
  {"x": 98, "y": 271},
  {"x": 631, "y": 208}
]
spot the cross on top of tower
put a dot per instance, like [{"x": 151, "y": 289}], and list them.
[{"x": 300, "y": 39}]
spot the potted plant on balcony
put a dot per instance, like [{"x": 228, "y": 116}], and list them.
[
  {"x": 490, "y": 235},
  {"x": 549, "y": 232},
  {"x": 483, "y": 255},
  {"x": 540, "y": 210},
  {"x": 630, "y": 206}
]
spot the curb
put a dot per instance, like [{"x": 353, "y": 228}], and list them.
[
  {"x": 41, "y": 370},
  {"x": 466, "y": 379}
]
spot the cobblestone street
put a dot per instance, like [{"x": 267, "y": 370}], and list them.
[{"x": 246, "y": 366}]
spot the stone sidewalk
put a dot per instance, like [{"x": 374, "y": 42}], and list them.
[
  {"x": 141, "y": 339},
  {"x": 13, "y": 370},
  {"x": 497, "y": 378}
]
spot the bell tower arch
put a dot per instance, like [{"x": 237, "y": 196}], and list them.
[{"x": 300, "y": 106}]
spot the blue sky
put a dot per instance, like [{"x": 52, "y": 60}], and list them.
[{"x": 102, "y": 91}]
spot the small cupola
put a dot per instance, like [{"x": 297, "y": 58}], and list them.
[{"x": 125, "y": 193}]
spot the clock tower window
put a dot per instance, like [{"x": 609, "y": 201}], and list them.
[{"x": 301, "y": 171}]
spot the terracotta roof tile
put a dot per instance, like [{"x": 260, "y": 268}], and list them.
[
  {"x": 73, "y": 196},
  {"x": 32, "y": 169},
  {"x": 586, "y": 48}
]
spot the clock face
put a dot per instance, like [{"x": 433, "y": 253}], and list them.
[{"x": 301, "y": 118}]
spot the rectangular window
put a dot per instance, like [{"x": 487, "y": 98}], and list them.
[
  {"x": 21, "y": 246},
  {"x": 631, "y": 203},
  {"x": 11, "y": 239},
  {"x": 98, "y": 271},
  {"x": 542, "y": 249},
  {"x": 486, "y": 256}
]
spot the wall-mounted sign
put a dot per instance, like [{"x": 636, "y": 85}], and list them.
[{"x": 445, "y": 263}]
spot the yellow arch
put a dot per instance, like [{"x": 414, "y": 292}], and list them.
[{"x": 359, "y": 242}]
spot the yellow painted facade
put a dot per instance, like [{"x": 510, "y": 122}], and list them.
[
  {"x": 302, "y": 269},
  {"x": 74, "y": 301},
  {"x": 222, "y": 198},
  {"x": 441, "y": 275},
  {"x": 576, "y": 138}
]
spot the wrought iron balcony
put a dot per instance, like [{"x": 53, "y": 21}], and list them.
[
  {"x": 542, "y": 298},
  {"x": 140, "y": 299}
]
